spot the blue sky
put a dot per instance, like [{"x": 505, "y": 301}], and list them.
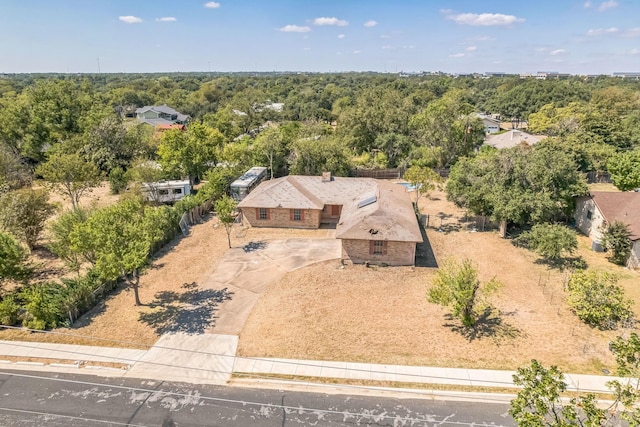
[{"x": 457, "y": 36}]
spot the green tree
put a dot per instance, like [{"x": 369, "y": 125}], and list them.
[
  {"x": 457, "y": 286},
  {"x": 61, "y": 231},
  {"x": 13, "y": 260},
  {"x": 108, "y": 144},
  {"x": 226, "y": 210},
  {"x": 423, "y": 180},
  {"x": 616, "y": 239},
  {"x": 312, "y": 156},
  {"x": 70, "y": 175},
  {"x": 121, "y": 237},
  {"x": 540, "y": 401},
  {"x": 551, "y": 241},
  {"x": 24, "y": 212},
  {"x": 520, "y": 185},
  {"x": 14, "y": 173},
  {"x": 189, "y": 153},
  {"x": 597, "y": 299},
  {"x": 624, "y": 168},
  {"x": 626, "y": 392},
  {"x": 271, "y": 146}
]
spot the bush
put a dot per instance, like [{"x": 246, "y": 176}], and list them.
[
  {"x": 9, "y": 310},
  {"x": 13, "y": 260},
  {"x": 550, "y": 241},
  {"x": 117, "y": 180},
  {"x": 616, "y": 240},
  {"x": 597, "y": 299},
  {"x": 24, "y": 212},
  {"x": 61, "y": 242},
  {"x": 42, "y": 306}
]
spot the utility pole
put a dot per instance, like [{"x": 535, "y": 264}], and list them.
[{"x": 98, "y": 65}]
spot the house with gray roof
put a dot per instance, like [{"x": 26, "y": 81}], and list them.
[
  {"x": 374, "y": 219},
  {"x": 160, "y": 115},
  {"x": 601, "y": 208}
]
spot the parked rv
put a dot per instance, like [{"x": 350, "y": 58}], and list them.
[
  {"x": 166, "y": 191},
  {"x": 247, "y": 182}
]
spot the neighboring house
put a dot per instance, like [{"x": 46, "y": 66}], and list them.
[
  {"x": 491, "y": 124},
  {"x": 512, "y": 138},
  {"x": 600, "y": 208},
  {"x": 157, "y": 115},
  {"x": 374, "y": 219}
]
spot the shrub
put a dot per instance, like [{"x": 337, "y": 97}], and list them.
[
  {"x": 42, "y": 306},
  {"x": 117, "y": 180},
  {"x": 9, "y": 310},
  {"x": 550, "y": 241},
  {"x": 597, "y": 299},
  {"x": 24, "y": 212},
  {"x": 615, "y": 240},
  {"x": 61, "y": 242}
]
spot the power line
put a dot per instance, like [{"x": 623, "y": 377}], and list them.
[
  {"x": 345, "y": 414},
  {"x": 50, "y": 414},
  {"x": 507, "y": 384}
]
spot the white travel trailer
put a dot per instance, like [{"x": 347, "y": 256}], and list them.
[{"x": 166, "y": 191}]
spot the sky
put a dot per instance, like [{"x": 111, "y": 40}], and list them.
[{"x": 453, "y": 36}]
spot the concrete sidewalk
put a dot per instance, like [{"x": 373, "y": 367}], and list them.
[{"x": 210, "y": 359}]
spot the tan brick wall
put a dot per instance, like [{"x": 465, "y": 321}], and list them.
[
  {"x": 282, "y": 218},
  {"x": 398, "y": 253}
]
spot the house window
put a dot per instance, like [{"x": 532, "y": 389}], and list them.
[
  {"x": 263, "y": 214},
  {"x": 378, "y": 247},
  {"x": 589, "y": 214},
  {"x": 177, "y": 191},
  {"x": 297, "y": 215}
]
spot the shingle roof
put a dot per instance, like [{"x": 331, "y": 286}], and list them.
[
  {"x": 163, "y": 109},
  {"x": 624, "y": 207},
  {"x": 512, "y": 138},
  {"x": 389, "y": 217}
]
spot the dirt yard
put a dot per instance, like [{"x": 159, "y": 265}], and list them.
[
  {"x": 382, "y": 315},
  {"x": 366, "y": 314}
]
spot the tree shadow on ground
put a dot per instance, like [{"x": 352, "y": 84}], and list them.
[
  {"x": 490, "y": 324},
  {"x": 254, "y": 246},
  {"x": 565, "y": 263},
  {"x": 191, "y": 312},
  {"x": 424, "y": 252}
]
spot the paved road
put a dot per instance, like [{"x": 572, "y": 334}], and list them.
[{"x": 76, "y": 400}]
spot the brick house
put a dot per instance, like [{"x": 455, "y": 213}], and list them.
[
  {"x": 374, "y": 219},
  {"x": 600, "y": 208}
]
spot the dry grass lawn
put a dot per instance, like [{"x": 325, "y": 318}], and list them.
[{"x": 382, "y": 315}]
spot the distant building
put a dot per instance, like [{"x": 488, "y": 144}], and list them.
[
  {"x": 156, "y": 115},
  {"x": 491, "y": 124},
  {"x": 512, "y": 138},
  {"x": 495, "y": 74},
  {"x": 627, "y": 75},
  {"x": 551, "y": 75}
]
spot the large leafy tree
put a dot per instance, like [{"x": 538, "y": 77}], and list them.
[
  {"x": 189, "y": 153},
  {"x": 121, "y": 237},
  {"x": 520, "y": 185},
  {"x": 624, "y": 168},
  {"x": 312, "y": 156},
  {"x": 24, "y": 212},
  {"x": 551, "y": 241},
  {"x": 71, "y": 175}
]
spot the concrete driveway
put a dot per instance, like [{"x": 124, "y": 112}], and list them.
[{"x": 246, "y": 272}]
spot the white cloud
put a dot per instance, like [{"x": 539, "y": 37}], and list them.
[
  {"x": 587, "y": 4},
  {"x": 634, "y": 52},
  {"x": 484, "y": 38},
  {"x": 385, "y": 36},
  {"x": 610, "y": 4},
  {"x": 633, "y": 32},
  {"x": 484, "y": 19},
  {"x": 129, "y": 19},
  {"x": 212, "y": 5},
  {"x": 408, "y": 46},
  {"x": 306, "y": 48},
  {"x": 330, "y": 21},
  {"x": 541, "y": 49},
  {"x": 557, "y": 52},
  {"x": 602, "y": 31},
  {"x": 456, "y": 55},
  {"x": 356, "y": 52},
  {"x": 471, "y": 48},
  {"x": 166, "y": 19},
  {"x": 387, "y": 47},
  {"x": 341, "y": 36},
  {"x": 294, "y": 29},
  {"x": 370, "y": 23}
]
